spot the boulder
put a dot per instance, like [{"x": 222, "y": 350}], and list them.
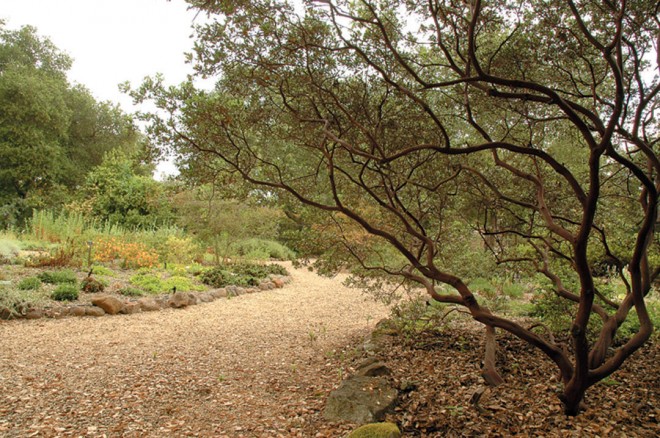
[
  {"x": 376, "y": 430},
  {"x": 373, "y": 368},
  {"x": 179, "y": 300},
  {"x": 77, "y": 311},
  {"x": 5, "y": 313},
  {"x": 94, "y": 311},
  {"x": 219, "y": 293},
  {"x": 34, "y": 314},
  {"x": 192, "y": 299},
  {"x": 205, "y": 297},
  {"x": 131, "y": 308},
  {"x": 57, "y": 312},
  {"x": 278, "y": 282},
  {"x": 110, "y": 305},
  {"x": 360, "y": 399},
  {"x": 148, "y": 304}
]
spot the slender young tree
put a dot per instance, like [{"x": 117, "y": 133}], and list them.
[{"x": 534, "y": 121}]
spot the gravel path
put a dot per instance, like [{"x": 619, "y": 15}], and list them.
[{"x": 256, "y": 365}]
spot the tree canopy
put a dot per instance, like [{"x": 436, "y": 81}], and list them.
[
  {"x": 51, "y": 132},
  {"x": 529, "y": 123}
]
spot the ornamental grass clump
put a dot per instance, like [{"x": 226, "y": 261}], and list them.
[
  {"x": 29, "y": 283},
  {"x": 58, "y": 277}
]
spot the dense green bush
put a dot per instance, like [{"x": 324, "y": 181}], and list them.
[
  {"x": 65, "y": 292},
  {"x": 29, "y": 283},
  {"x": 58, "y": 277}
]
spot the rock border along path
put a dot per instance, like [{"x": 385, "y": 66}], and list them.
[{"x": 250, "y": 366}]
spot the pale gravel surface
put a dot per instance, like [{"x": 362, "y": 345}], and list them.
[{"x": 256, "y": 365}]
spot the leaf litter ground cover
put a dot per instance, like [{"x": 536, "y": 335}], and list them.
[
  {"x": 441, "y": 372},
  {"x": 262, "y": 365}
]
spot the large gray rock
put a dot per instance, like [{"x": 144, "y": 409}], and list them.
[
  {"x": 360, "y": 399},
  {"x": 110, "y": 305}
]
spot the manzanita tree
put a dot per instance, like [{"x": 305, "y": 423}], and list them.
[{"x": 533, "y": 121}]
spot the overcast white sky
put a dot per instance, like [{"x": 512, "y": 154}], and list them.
[{"x": 111, "y": 41}]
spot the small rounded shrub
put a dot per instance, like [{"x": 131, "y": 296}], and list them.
[
  {"x": 29, "y": 283},
  {"x": 92, "y": 285},
  {"x": 65, "y": 292}
]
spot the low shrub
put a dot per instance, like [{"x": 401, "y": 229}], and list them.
[
  {"x": 102, "y": 270},
  {"x": 131, "y": 255},
  {"x": 58, "y": 277},
  {"x": 152, "y": 283},
  {"x": 180, "y": 283},
  {"x": 131, "y": 292},
  {"x": 215, "y": 277},
  {"x": 92, "y": 285},
  {"x": 258, "y": 271},
  {"x": 147, "y": 282},
  {"x": 261, "y": 249},
  {"x": 241, "y": 274},
  {"x": 65, "y": 292},
  {"x": 29, "y": 283}
]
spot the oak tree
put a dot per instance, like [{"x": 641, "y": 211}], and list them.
[{"x": 532, "y": 121}]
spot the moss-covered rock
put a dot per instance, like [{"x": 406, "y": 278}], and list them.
[{"x": 376, "y": 430}]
